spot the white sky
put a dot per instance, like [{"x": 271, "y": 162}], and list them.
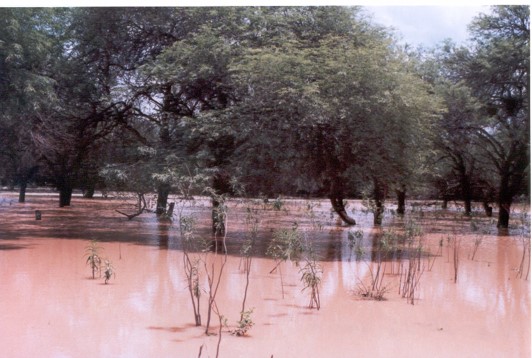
[{"x": 427, "y": 25}]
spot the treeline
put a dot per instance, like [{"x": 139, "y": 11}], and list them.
[{"x": 263, "y": 101}]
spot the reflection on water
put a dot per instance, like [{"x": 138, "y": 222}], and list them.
[{"x": 50, "y": 307}]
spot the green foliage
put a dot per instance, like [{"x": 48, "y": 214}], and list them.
[
  {"x": 311, "y": 274},
  {"x": 245, "y": 324},
  {"x": 286, "y": 244}
]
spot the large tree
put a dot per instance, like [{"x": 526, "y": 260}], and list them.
[
  {"x": 26, "y": 88},
  {"x": 497, "y": 71}
]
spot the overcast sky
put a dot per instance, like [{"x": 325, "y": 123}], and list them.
[{"x": 427, "y": 25}]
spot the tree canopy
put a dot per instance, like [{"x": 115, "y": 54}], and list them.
[{"x": 270, "y": 100}]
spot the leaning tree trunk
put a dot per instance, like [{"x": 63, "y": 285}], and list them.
[
  {"x": 339, "y": 207},
  {"x": 336, "y": 196}
]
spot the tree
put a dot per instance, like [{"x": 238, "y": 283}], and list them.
[
  {"x": 336, "y": 109},
  {"x": 497, "y": 71},
  {"x": 25, "y": 87}
]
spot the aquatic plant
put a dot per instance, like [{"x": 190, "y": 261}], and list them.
[
  {"x": 376, "y": 289},
  {"x": 108, "y": 270},
  {"x": 524, "y": 237},
  {"x": 214, "y": 278},
  {"x": 252, "y": 224},
  {"x": 286, "y": 244},
  {"x": 456, "y": 256},
  {"x": 311, "y": 278},
  {"x": 92, "y": 251},
  {"x": 354, "y": 241},
  {"x": 411, "y": 275},
  {"x": 244, "y": 325}
]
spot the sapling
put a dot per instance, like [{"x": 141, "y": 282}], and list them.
[
  {"x": 108, "y": 270},
  {"x": 252, "y": 223},
  {"x": 93, "y": 257},
  {"x": 409, "y": 280},
  {"x": 286, "y": 244},
  {"x": 524, "y": 236},
  {"x": 311, "y": 277},
  {"x": 213, "y": 278},
  {"x": 191, "y": 262},
  {"x": 456, "y": 257},
  {"x": 245, "y": 324}
]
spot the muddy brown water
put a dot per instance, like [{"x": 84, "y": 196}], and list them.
[{"x": 50, "y": 306}]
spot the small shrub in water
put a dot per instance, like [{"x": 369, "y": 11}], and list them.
[
  {"x": 244, "y": 325},
  {"x": 311, "y": 277},
  {"x": 109, "y": 270},
  {"x": 93, "y": 257}
]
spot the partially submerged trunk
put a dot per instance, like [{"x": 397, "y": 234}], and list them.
[
  {"x": 336, "y": 196},
  {"x": 65, "y": 195},
  {"x": 162, "y": 199},
  {"x": 379, "y": 195},
  {"x": 504, "y": 215},
  {"x": 487, "y": 209},
  {"x": 465, "y": 188},
  {"x": 339, "y": 207},
  {"x": 141, "y": 207},
  {"x": 88, "y": 193},
  {"x": 22, "y": 192},
  {"x": 401, "y": 201}
]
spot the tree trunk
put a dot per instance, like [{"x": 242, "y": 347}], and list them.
[
  {"x": 162, "y": 199},
  {"x": 88, "y": 193},
  {"x": 401, "y": 201},
  {"x": 65, "y": 196},
  {"x": 22, "y": 192},
  {"x": 504, "y": 202},
  {"x": 339, "y": 207},
  {"x": 504, "y": 215},
  {"x": 379, "y": 195},
  {"x": 465, "y": 186},
  {"x": 487, "y": 209},
  {"x": 336, "y": 196},
  {"x": 467, "y": 206}
]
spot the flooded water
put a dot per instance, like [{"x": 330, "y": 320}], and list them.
[{"x": 51, "y": 307}]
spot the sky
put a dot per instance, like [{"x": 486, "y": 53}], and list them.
[{"x": 427, "y": 25}]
